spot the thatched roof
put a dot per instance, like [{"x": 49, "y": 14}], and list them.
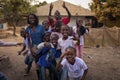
[{"x": 57, "y": 5}]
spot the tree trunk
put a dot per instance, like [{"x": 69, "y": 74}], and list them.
[{"x": 14, "y": 29}]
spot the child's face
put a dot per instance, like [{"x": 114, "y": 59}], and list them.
[
  {"x": 54, "y": 40},
  {"x": 46, "y": 25},
  {"x": 70, "y": 56},
  {"x": 65, "y": 31},
  {"x": 57, "y": 15},
  {"x": 47, "y": 37},
  {"x": 79, "y": 22}
]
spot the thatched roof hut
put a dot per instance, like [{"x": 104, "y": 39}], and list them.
[
  {"x": 84, "y": 14},
  {"x": 57, "y": 5}
]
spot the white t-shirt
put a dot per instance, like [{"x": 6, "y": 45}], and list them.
[
  {"x": 63, "y": 44},
  {"x": 76, "y": 70}
]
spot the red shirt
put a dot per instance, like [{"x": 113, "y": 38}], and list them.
[{"x": 65, "y": 20}]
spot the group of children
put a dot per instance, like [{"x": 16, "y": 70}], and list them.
[{"x": 57, "y": 52}]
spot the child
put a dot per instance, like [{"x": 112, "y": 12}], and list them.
[
  {"x": 77, "y": 69},
  {"x": 79, "y": 30},
  {"x": 22, "y": 34},
  {"x": 45, "y": 24},
  {"x": 57, "y": 16},
  {"x": 29, "y": 56},
  {"x": 47, "y": 59},
  {"x": 56, "y": 28},
  {"x": 65, "y": 41}
]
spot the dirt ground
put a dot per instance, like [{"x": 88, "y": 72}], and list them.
[{"x": 103, "y": 63}]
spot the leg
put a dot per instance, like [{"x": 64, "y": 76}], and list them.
[
  {"x": 63, "y": 73},
  {"x": 81, "y": 51},
  {"x": 29, "y": 64},
  {"x": 78, "y": 51},
  {"x": 37, "y": 71},
  {"x": 53, "y": 73},
  {"x": 42, "y": 73}
]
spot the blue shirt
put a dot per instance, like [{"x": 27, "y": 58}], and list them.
[
  {"x": 37, "y": 35},
  {"x": 43, "y": 60}
]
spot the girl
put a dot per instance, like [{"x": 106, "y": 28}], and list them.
[
  {"x": 36, "y": 32},
  {"x": 79, "y": 30}
]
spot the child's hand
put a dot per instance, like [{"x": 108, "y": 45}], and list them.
[
  {"x": 34, "y": 49},
  {"x": 64, "y": 6},
  {"x": 51, "y": 6},
  {"x": 47, "y": 44},
  {"x": 64, "y": 54},
  {"x": 19, "y": 52},
  {"x": 24, "y": 53}
]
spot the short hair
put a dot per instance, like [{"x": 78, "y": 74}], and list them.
[
  {"x": 22, "y": 29},
  {"x": 36, "y": 19},
  {"x": 72, "y": 48},
  {"x": 55, "y": 36}
]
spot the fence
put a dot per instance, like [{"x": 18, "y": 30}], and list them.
[{"x": 103, "y": 37}]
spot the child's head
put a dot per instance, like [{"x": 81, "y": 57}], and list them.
[
  {"x": 54, "y": 39},
  {"x": 57, "y": 26},
  {"x": 45, "y": 24},
  {"x": 70, "y": 54},
  {"x": 22, "y": 33},
  {"x": 79, "y": 22},
  {"x": 46, "y": 37},
  {"x": 57, "y": 15},
  {"x": 65, "y": 31}
]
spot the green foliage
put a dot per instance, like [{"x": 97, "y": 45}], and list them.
[
  {"x": 41, "y": 4},
  {"x": 13, "y": 10},
  {"x": 106, "y": 10}
]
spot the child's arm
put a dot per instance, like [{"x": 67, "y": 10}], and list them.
[
  {"x": 51, "y": 7},
  {"x": 51, "y": 20},
  {"x": 59, "y": 65},
  {"x": 23, "y": 48},
  {"x": 64, "y": 6},
  {"x": 84, "y": 74},
  {"x": 25, "y": 52}
]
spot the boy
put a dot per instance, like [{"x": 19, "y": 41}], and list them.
[
  {"x": 63, "y": 43},
  {"x": 77, "y": 69},
  {"x": 57, "y": 15},
  {"x": 47, "y": 54},
  {"x": 24, "y": 51}
]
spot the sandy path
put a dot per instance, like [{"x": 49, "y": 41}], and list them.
[{"x": 103, "y": 63}]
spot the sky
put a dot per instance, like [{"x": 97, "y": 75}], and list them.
[{"x": 83, "y": 3}]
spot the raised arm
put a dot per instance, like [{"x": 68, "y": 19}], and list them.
[
  {"x": 50, "y": 10},
  {"x": 68, "y": 12}
]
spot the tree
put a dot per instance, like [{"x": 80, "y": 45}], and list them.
[
  {"x": 106, "y": 10},
  {"x": 12, "y": 11}
]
